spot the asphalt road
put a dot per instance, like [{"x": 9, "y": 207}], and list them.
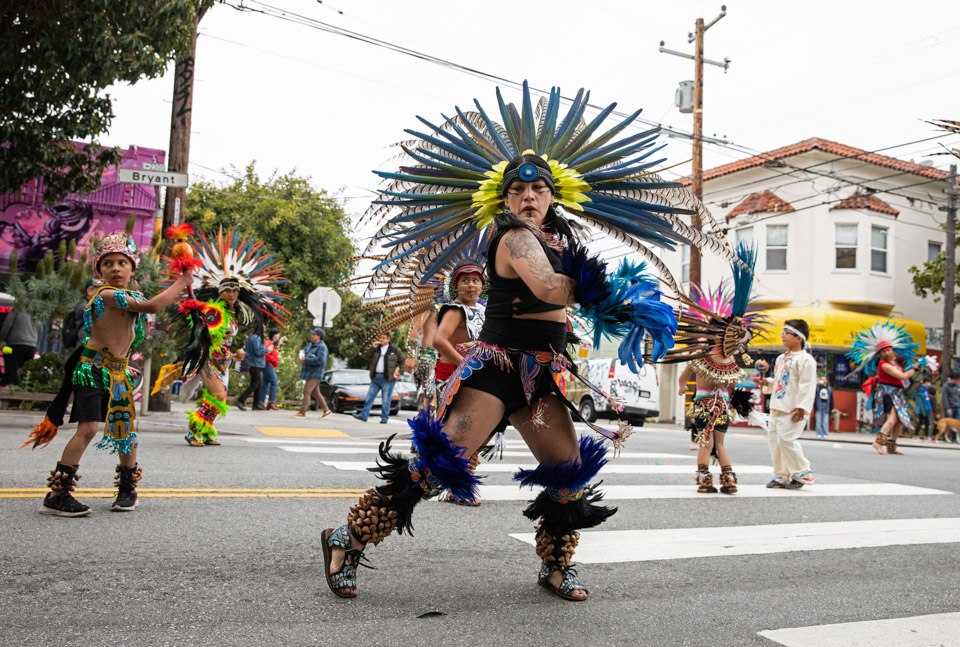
[{"x": 217, "y": 559}]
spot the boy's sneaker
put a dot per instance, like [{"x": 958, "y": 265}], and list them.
[
  {"x": 777, "y": 481},
  {"x": 125, "y": 502},
  {"x": 805, "y": 477},
  {"x": 793, "y": 484},
  {"x": 63, "y": 505}
]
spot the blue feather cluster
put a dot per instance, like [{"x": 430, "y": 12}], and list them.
[
  {"x": 647, "y": 315},
  {"x": 742, "y": 278},
  {"x": 571, "y": 476},
  {"x": 442, "y": 458},
  {"x": 590, "y": 273}
]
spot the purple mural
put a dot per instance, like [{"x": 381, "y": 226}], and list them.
[{"x": 34, "y": 227}]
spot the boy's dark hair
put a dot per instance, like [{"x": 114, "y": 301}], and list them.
[
  {"x": 954, "y": 375},
  {"x": 800, "y": 325}
]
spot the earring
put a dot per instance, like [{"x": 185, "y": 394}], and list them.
[{"x": 506, "y": 210}]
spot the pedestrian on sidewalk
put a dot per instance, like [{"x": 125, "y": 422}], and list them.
[
  {"x": 314, "y": 362},
  {"x": 951, "y": 397},
  {"x": 793, "y": 391},
  {"x": 268, "y": 390},
  {"x": 21, "y": 334},
  {"x": 386, "y": 362},
  {"x": 822, "y": 406},
  {"x": 256, "y": 354}
]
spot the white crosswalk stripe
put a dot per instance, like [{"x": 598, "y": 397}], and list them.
[
  {"x": 598, "y": 546},
  {"x": 916, "y": 631}
]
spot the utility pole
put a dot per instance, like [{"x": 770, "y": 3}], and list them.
[
  {"x": 949, "y": 276},
  {"x": 696, "y": 185},
  {"x": 178, "y": 156}
]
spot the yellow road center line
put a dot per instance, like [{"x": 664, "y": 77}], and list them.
[{"x": 200, "y": 493}]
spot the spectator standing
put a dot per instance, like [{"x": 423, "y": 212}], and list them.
[
  {"x": 21, "y": 334},
  {"x": 268, "y": 391},
  {"x": 822, "y": 406},
  {"x": 385, "y": 362},
  {"x": 256, "y": 354},
  {"x": 950, "y": 396},
  {"x": 73, "y": 322},
  {"x": 314, "y": 359}
]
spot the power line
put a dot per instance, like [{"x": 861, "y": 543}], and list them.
[{"x": 306, "y": 21}]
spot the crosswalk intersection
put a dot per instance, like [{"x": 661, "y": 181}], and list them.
[{"x": 636, "y": 475}]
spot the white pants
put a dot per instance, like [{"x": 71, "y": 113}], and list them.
[{"x": 784, "y": 437}]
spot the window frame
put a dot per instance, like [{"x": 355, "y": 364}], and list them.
[
  {"x": 785, "y": 247},
  {"x": 855, "y": 247},
  {"x": 886, "y": 250}
]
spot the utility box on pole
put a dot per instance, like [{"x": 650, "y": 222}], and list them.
[
  {"x": 324, "y": 305},
  {"x": 683, "y": 98}
]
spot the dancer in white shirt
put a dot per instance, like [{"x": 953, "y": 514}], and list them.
[{"x": 794, "y": 387}]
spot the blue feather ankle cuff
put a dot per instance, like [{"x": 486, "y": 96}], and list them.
[{"x": 441, "y": 459}]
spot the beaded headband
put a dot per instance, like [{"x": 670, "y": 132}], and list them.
[{"x": 526, "y": 172}]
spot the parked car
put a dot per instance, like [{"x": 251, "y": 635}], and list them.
[
  {"x": 640, "y": 392},
  {"x": 346, "y": 390},
  {"x": 407, "y": 391}
]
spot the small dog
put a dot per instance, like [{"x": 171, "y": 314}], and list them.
[{"x": 945, "y": 425}]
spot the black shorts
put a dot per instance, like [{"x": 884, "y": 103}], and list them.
[
  {"x": 699, "y": 424},
  {"x": 90, "y": 402},
  {"x": 887, "y": 403},
  {"x": 505, "y": 385}
]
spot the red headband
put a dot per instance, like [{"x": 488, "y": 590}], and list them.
[
  {"x": 884, "y": 345},
  {"x": 467, "y": 269}
]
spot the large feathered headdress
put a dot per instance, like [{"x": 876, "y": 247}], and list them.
[
  {"x": 449, "y": 191},
  {"x": 719, "y": 319},
  {"x": 239, "y": 261},
  {"x": 868, "y": 343}
]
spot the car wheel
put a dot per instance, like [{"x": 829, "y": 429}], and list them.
[
  {"x": 335, "y": 406},
  {"x": 587, "y": 411},
  {"x": 395, "y": 410}
]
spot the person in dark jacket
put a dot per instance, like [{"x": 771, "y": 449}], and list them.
[
  {"x": 314, "y": 358},
  {"x": 822, "y": 406},
  {"x": 386, "y": 361},
  {"x": 73, "y": 323},
  {"x": 256, "y": 355}
]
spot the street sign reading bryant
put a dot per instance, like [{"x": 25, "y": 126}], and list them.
[{"x": 153, "y": 178}]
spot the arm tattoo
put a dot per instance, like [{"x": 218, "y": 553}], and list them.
[{"x": 524, "y": 246}]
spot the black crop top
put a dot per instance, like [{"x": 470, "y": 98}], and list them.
[{"x": 509, "y": 297}]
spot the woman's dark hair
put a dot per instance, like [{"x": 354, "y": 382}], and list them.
[
  {"x": 800, "y": 325},
  {"x": 273, "y": 331},
  {"x": 554, "y": 223}
]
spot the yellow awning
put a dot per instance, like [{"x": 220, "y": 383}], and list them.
[{"x": 832, "y": 329}]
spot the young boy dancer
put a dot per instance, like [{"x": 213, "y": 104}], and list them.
[
  {"x": 113, "y": 323},
  {"x": 794, "y": 388}
]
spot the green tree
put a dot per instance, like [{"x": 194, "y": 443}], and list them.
[
  {"x": 58, "y": 60},
  {"x": 349, "y": 333},
  {"x": 304, "y": 227},
  {"x": 928, "y": 279}
]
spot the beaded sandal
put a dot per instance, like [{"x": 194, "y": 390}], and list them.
[
  {"x": 343, "y": 583},
  {"x": 193, "y": 442},
  {"x": 569, "y": 583}
]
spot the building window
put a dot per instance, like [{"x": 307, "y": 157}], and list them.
[
  {"x": 878, "y": 249},
  {"x": 745, "y": 235},
  {"x": 685, "y": 263},
  {"x": 776, "y": 247},
  {"x": 845, "y": 244},
  {"x": 933, "y": 250}
]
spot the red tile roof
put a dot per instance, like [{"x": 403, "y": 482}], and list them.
[
  {"x": 816, "y": 143},
  {"x": 765, "y": 202},
  {"x": 865, "y": 201}
]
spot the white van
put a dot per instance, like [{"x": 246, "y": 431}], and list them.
[{"x": 639, "y": 391}]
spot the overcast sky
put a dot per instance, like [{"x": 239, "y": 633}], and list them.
[{"x": 863, "y": 73}]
